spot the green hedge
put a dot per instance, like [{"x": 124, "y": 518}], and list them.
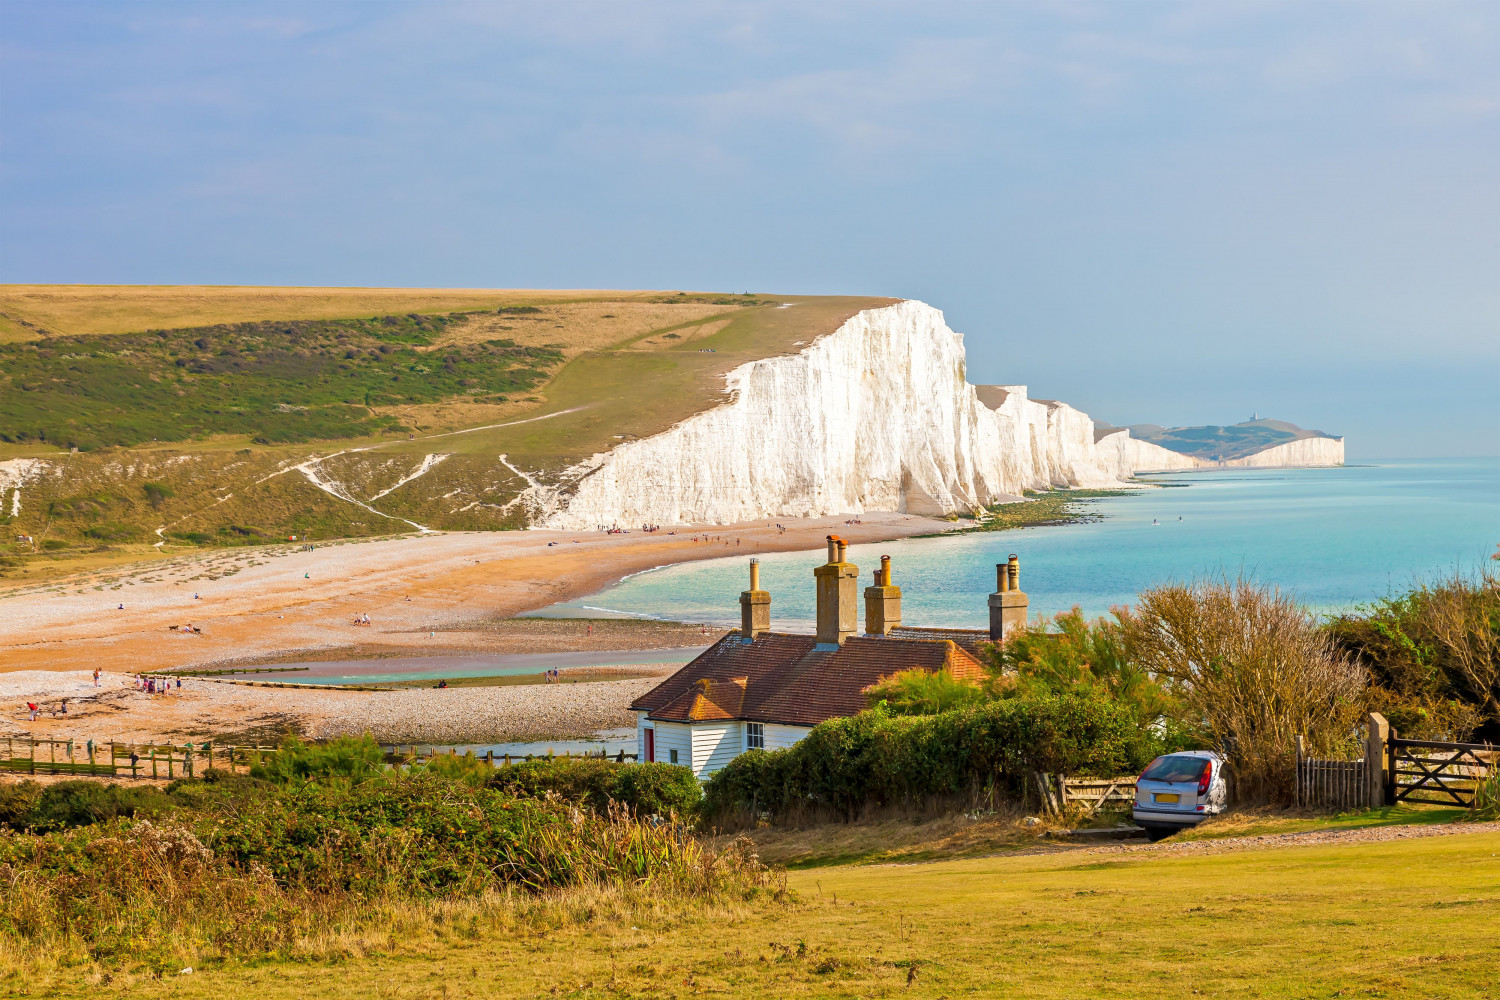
[
  {"x": 876, "y": 759},
  {"x": 648, "y": 789}
]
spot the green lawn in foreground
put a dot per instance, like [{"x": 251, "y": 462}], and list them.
[{"x": 1411, "y": 918}]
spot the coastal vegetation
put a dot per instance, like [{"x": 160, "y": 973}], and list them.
[
  {"x": 273, "y": 382},
  {"x": 1044, "y": 508},
  {"x": 1222, "y": 664},
  {"x": 1433, "y": 656},
  {"x": 323, "y": 850},
  {"x": 1373, "y": 918},
  {"x": 192, "y": 409}
]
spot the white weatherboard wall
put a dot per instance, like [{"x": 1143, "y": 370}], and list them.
[
  {"x": 779, "y": 737},
  {"x": 716, "y": 744},
  {"x": 708, "y": 746}
]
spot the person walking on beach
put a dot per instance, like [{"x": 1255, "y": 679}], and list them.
[
  {"x": 96, "y": 677},
  {"x": 32, "y": 706}
]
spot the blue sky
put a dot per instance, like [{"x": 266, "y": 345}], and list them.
[{"x": 1174, "y": 213}]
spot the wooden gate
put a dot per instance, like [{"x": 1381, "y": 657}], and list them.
[
  {"x": 1445, "y": 772},
  {"x": 1332, "y": 784}
]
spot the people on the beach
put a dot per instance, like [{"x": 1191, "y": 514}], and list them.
[
  {"x": 34, "y": 708},
  {"x": 96, "y": 677}
]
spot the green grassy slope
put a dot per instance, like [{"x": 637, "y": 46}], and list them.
[
  {"x": 197, "y": 431},
  {"x": 1408, "y": 918}
]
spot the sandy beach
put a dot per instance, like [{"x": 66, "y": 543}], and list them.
[{"x": 425, "y": 595}]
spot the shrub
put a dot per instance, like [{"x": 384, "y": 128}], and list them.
[
  {"x": 249, "y": 868},
  {"x": 875, "y": 759},
  {"x": 1253, "y": 671},
  {"x": 17, "y": 801},
  {"x": 649, "y": 789},
  {"x": 467, "y": 768},
  {"x": 69, "y": 804},
  {"x": 1486, "y": 804},
  {"x": 157, "y": 493},
  {"x": 923, "y": 692},
  {"x": 1073, "y": 655},
  {"x": 355, "y": 757},
  {"x": 1433, "y": 655}
]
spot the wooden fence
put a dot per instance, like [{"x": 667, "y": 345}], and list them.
[
  {"x": 1061, "y": 794},
  {"x": 25, "y": 755},
  {"x": 1427, "y": 771},
  {"x": 415, "y": 754},
  {"x": 124, "y": 760},
  {"x": 1332, "y": 784},
  {"x": 1394, "y": 770}
]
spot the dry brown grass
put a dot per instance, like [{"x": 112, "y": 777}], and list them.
[
  {"x": 898, "y": 839},
  {"x": 105, "y": 309},
  {"x": 593, "y": 326}
]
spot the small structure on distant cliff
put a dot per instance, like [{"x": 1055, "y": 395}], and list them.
[{"x": 759, "y": 689}]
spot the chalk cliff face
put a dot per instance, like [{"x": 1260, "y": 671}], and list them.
[
  {"x": 875, "y": 416},
  {"x": 1127, "y": 455},
  {"x": 1305, "y": 452}
]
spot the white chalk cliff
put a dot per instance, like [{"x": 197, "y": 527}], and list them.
[{"x": 876, "y": 416}]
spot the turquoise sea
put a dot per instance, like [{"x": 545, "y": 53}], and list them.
[{"x": 1335, "y": 538}]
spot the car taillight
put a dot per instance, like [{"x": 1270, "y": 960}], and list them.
[{"x": 1205, "y": 777}]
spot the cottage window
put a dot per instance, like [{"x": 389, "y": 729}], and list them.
[
  {"x": 755, "y": 736},
  {"x": 673, "y": 752}
]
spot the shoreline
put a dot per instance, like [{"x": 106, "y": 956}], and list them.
[{"x": 433, "y": 594}]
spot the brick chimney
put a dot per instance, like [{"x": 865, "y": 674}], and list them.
[
  {"x": 755, "y": 607},
  {"x": 1008, "y": 604},
  {"x": 838, "y": 604},
  {"x": 882, "y": 602}
]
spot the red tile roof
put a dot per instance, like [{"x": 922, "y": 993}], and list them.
[
  {"x": 973, "y": 640},
  {"x": 787, "y": 679}
]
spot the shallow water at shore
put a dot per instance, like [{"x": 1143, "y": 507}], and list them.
[
  {"x": 399, "y": 669},
  {"x": 1334, "y": 537}
]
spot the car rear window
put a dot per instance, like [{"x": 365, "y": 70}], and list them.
[{"x": 1174, "y": 769}]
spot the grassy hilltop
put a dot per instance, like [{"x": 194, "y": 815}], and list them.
[{"x": 185, "y": 410}]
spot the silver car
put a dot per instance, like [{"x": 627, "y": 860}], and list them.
[{"x": 1179, "y": 790}]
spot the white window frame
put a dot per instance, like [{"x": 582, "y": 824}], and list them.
[{"x": 755, "y": 736}]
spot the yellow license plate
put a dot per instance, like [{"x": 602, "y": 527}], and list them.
[{"x": 1167, "y": 798}]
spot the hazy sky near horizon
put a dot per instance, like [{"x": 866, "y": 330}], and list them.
[{"x": 1175, "y": 213}]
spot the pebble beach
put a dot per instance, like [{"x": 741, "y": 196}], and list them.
[{"x": 236, "y": 713}]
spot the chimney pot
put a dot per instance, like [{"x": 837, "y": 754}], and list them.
[
  {"x": 838, "y": 596},
  {"x": 1008, "y": 604},
  {"x": 755, "y": 607}
]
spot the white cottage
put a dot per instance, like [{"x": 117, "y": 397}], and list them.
[{"x": 761, "y": 689}]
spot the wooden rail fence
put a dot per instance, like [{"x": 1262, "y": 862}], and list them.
[
  {"x": 1060, "y": 794},
  {"x": 1428, "y": 771},
  {"x": 24, "y": 755},
  {"x": 1394, "y": 770}
]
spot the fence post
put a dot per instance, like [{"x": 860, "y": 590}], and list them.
[
  {"x": 1377, "y": 737},
  {"x": 1300, "y": 756}
]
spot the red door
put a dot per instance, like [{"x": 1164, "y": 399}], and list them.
[{"x": 650, "y": 743}]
